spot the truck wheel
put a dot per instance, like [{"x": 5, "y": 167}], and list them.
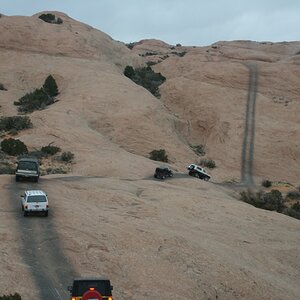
[
  {"x": 25, "y": 214},
  {"x": 17, "y": 178},
  {"x": 206, "y": 178},
  {"x": 46, "y": 214},
  {"x": 22, "y": 208}
]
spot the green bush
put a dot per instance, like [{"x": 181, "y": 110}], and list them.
[
  {"x": 16, "y": 296},
  {"x": 293, "y": 195},
  {"x": 40, "y": 98},
  {"x": 159, "y": 155},
  {"x": 294, "y": 211},
  {"x": 7, "y": 168},
  {"x": 13, "y": 147},
  {"x": 266, "y": 183},
  {"x": 50, "y": 18},
  {"x": 2, "y": 88},
  {"x": 268, "y": 201},
  {"x": 67, "y": 156},
  {"x": 198, "y": 149},
  {"x": 15, "y": 123},
  {"x": 209, "y": 163},
  {"x": 50, "y": 150},
  {"x": 145, "y": 77},
  {"x": 50, "y": 86}
]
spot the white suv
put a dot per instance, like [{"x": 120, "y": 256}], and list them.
[
  {"x": 199, "y": 172},
  {"x": 34, "y": 201}
]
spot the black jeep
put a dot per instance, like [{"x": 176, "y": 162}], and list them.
[
  {"x": 83, "y": 285},
  {"x": 163, "y": 172}
]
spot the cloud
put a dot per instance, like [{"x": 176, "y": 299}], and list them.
[{"x": 189, "y": 22}]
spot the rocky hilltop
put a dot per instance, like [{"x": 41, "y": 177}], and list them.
[{"x": 176, "y": 239}]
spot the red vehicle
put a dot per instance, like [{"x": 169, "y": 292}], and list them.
[{"x": 94, "y": 288}]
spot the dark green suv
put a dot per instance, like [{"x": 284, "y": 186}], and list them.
[{"x": 83, "y": 285}]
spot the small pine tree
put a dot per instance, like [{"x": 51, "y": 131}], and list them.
[{"x": 50, "y": 86}]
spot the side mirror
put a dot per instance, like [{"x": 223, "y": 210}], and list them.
[
  {"x": 111, "y": 287},
  {"x": 70, "y": 288}
]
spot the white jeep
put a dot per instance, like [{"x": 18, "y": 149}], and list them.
[
  {"x": 34, "y": 201},
  {"x": 199, "y": 172}
]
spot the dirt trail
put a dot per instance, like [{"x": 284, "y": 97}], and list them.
[
  {"x": 249, "y": 133},
  {"x": 41, "y": 250}
]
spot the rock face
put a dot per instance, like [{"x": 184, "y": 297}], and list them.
[{"x": 178, "y": 239}]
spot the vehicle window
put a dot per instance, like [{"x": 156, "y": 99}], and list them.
[
  {"x": 36, "y": 198},
  {"x": 80, "y": 287},
  {"x": 27, "y": 165}
]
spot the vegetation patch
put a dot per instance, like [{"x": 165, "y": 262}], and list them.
[
  {"x": 266, "y": 183},
  {"x": 16, "y": 296},
  {"x": 159, "y": 155},
  {"x": 209, "y": 163},
  {"x": 2, "y": 88},
  {"x": 145, "y": 77},
  {"x": 293, "y": 195},
  {"x": 67, "y": 156},
  {"x": 50, "y": 18},
  {"x": 40, "y": 98},
  {"x": 15, "y": 123},
  {"x": 50, "y": 149},
  {"x": 269, "y": 201},
  {"x": 198, "y": 149},
  {"x": 13, "y": 147}
]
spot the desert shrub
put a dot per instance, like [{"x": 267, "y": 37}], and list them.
[
  {"x": 50, "y": 150},
  {"x": 145, "y": 77},
  {"x": 13, "y": 147},
  {"x": 293, "y": 195},
  {"x": 209, "y": 163},
  {"x": 7, "y": 168},
  {"x": 34, "y": 101},
  {"x": 294, "y": 211},
  {"x": 40, "y": 98},
  {"x": 151, "y": 63},
  {"x": 15, "y": 123},
  {"x": 129, "y": 72},
  {"x": 266, "y": 183},
  {"x": 59, "y": 21},
  {"x": 50, "y": 86},
  {"x": 159, "y": 155},
  {"x": 2, "y": 88},
  {"x": 268, "y": 201},
  {"x": 37, "y": 153},
  {"x": 56, "y": 170},
  {"x": 198, "y": 149},
  {"x": 180, "y": 54},
  {"x": 50, "y": 18},
  {"x": 16, "y": 296},
  {"x": 67, "y": 156}
]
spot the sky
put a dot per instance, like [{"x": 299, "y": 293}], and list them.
[{"x": 186, "y": 22}]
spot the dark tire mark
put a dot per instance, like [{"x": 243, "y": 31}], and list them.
[
  {"x": 249, "y": 133},
  {"x": 41, "y": 249}
]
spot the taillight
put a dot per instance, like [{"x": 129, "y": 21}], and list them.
[
  {"x": 92, "y": 289},
  {"x": 26, "y": 206},
  {"x": 47, "y": 206}
]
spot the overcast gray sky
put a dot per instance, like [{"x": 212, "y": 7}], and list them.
[{"x": 188, "y": 22}]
